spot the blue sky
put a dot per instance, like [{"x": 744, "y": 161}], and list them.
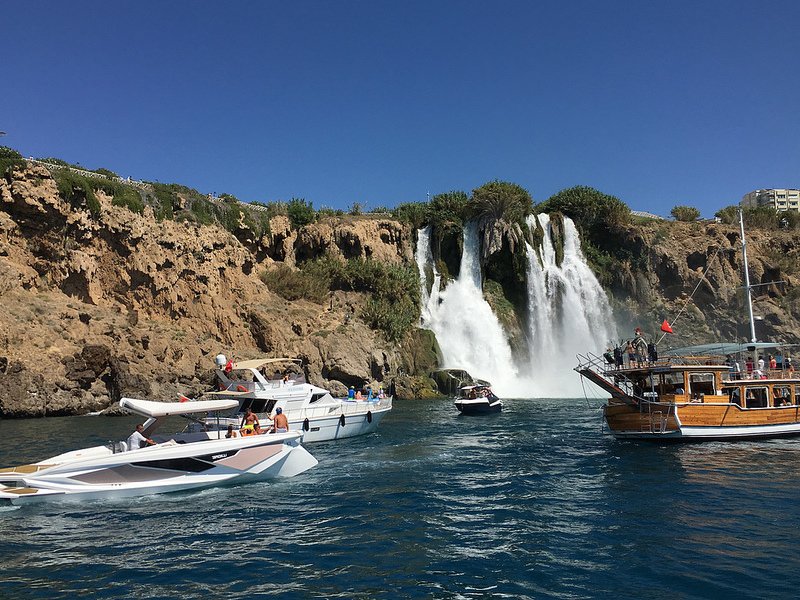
[{"x": 658, "y": 103}]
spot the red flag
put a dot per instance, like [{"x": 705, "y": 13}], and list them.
[{"x": 665, "y": 327}]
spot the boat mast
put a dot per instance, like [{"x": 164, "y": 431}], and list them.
[{"x": 747, "y": 288}]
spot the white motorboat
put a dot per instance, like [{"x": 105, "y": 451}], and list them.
[
  {"x": 477, "y": 400},
  {"x": 184, "y": 461},
  {"x": 311, "y": 410}
]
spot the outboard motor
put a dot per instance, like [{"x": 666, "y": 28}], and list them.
[{"x": 220, "y": 360}]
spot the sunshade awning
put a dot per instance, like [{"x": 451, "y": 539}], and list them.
[
  {"x": 260, "y": 362},
  {"x": 148, "y": 408},
  {"x": 721, "y": 348}
]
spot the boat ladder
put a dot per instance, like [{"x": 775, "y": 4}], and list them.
[{"x": 655, "y": 421}]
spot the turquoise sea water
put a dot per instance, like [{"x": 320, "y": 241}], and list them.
[{"x": 532, "y": 503}]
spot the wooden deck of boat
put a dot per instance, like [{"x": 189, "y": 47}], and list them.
[{"x": 23, "y": 469}]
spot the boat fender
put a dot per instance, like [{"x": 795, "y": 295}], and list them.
[
  {"x": 341, "y": 420},
  {"x": 306, "y": 426},
  {"x": 369, "y": 416},
  {"x": 241, "y": 388}
]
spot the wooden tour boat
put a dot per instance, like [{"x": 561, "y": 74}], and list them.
[
  {"x": 696, "y": 398},
  {"x": 699, "y": 393}
]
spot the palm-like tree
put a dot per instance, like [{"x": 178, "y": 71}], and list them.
[{"x": 500, "y": 208}]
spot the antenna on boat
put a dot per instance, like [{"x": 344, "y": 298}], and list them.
[{"x": 747, "y": 287}]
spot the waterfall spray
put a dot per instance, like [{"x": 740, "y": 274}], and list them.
[{"x": 568, "y": 313}]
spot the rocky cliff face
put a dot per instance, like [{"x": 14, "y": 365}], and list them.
[
  {"x": 694, "y": 271},
  {"x": 98, "y": 307}
]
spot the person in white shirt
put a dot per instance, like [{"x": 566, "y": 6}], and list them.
[{"x": 136, "y": 439}]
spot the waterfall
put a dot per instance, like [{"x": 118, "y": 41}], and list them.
[
  {"x": 469, "y": 334},
  {"x": 568, "y": 313}
]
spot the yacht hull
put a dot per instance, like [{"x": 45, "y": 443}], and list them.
[
  {"x": 338, "y": 426},
  {"x": 158, "y": 469},
  {"x": 481, "y": 406}
]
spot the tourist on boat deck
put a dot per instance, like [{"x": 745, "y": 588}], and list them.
[
  {"x": 138, "y": 440},
  {"x": 231, "y": 433},
  {"x": 257, "y": 429},
  {"x": 617, "y": 357},
  {"x": 249, "y": 421},
  {"x": 280, "y": 424},
  {"x": 351, "y": 393},
  {"x": 773, "y": 364},
  {"x": 761, "y": 363},
  {"x": 749, "y": 365},
  {"x": 652, "y": 353},
  {"x": 608, "y": 356},
  {"x": 359, "y": 395},
  {"x": 285, "y": 379},
  {"x": 631, "y": 354}
]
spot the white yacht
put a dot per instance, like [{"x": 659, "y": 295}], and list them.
[
  {"x": 311, "y": 410},
  {"x": 183, "y": 461}
]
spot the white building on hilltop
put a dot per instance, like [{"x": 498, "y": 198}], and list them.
[{"x": 780, "y": 200}]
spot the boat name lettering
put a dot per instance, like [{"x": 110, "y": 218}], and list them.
[{"x": 218, "y": 456}]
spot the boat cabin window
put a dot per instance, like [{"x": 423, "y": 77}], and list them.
[
  {"x": 781, "y": 395},
  {"x": 701, "y": 383},
  {"x": 756, "y": 397},
  {"x": 733, "y": 394},
  {"x": 316, "y": 397},
  {"x": 258, "y": 405},
  {"x": 672, "y": 383},
  {"x": 797, "y": 394}
]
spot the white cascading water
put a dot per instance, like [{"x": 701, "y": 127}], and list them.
[
  {"x": 469, "y": 334},
  {"x": 569, "y": 314}
]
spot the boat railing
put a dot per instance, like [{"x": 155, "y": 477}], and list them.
[{"x": 347, "y": 408}]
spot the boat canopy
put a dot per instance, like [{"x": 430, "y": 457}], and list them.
[
  {"x": 260, "y": 362},
  {"x": 151, "y": 409},
  {"x": 721, "y": 348}
]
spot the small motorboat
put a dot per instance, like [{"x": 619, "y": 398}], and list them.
[
  {"x": 310, "y": 409},
  {"x": 477, "y": 399},
  {"x": 183, "y": 461}
]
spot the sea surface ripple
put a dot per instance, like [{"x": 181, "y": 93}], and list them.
[{"x": 535, "y": 502}]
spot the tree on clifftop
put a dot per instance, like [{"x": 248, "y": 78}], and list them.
[
  {"x": 592, "y": 211},
  {"x": 499, "y": 208},
  {"x": 685, "y": 213}
]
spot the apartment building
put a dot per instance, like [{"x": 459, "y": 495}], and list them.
[{"x": 780, "y": 200}]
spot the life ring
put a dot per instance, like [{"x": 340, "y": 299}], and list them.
[
  {"x": 341, "y": 420},
  {"x": 369, "y": 416},
  {"x": 241, "y": 388},
  {"x": 306, "y": 426}
]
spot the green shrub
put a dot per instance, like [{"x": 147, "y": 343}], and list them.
[
  {"x": 394, "y": 319},
  {"x": 687, "y": 214},
  {"x": 413, "y": 213},
  {"x": 301, "y": 213},
  {"x": 594, "y": 213},
  {"x": 326, "y": 211},
  {"x": 728, "y": 215},
  {"x": 500, "y": 200},
  {"x": 122, "y": 195},
  {"x": 9, "y": 158},
  {"x": 202, "y": 210},
  {"x": 76, "y": 190},
  {"x": 450, "y": 207},
  {"x": 106, "y": 172}
]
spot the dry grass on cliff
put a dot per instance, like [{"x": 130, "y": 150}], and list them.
[{"x": 292, "y": 285}]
